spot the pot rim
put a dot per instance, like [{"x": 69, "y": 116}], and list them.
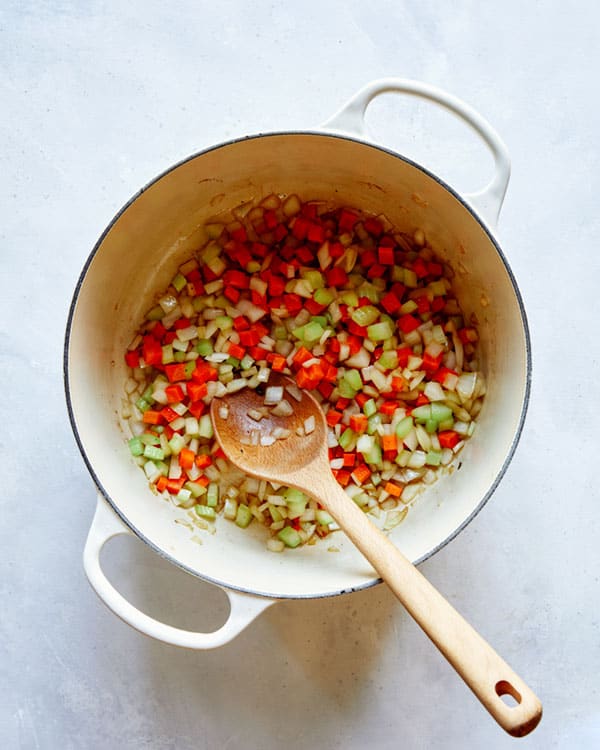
[{"x": 319, "y": 133}]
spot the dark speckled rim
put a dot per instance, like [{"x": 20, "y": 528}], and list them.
[{"x": 319, "y": 134}]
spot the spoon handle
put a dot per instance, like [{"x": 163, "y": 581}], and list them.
[{"x": 486, "y": 673}]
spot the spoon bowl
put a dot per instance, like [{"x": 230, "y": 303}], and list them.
[
  {"x": 283, "y": 458},
  {"x": 250, "y": 435}
]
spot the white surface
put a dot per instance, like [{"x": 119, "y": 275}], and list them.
[{"x": 95, "y": 101}]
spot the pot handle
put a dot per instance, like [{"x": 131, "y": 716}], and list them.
[
  {"x": 244, "y": 607},
  {"x": 350, "y": 119}
]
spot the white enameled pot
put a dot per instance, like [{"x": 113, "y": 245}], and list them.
[{"x": 162, "y": 225}]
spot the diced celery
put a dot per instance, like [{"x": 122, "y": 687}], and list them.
[
  {"x": 136, "y": 446},
  {"x": 154, "y": 453},
  {"x": 224, "y": 322},
  {"x": 314, "y": 278},
  {"x": 179, "y": 356},
  {"x": 204, "y": 347},
  {"x": 176, "y": 443},
  {"x": 313, "y": 332},
  {"x": 410, "y": 278},
  {"x": 280, "y": 333},
  {"x": 408, "y": 307},
  {"x": 179, "y": 282},
  {"x": 403, "y": 427},
  {"x": 438, "y": 288},
  {"x": 322, "y": 517},
  {"x": 243, "y": 516},
  {"x": 431, "y": 426},
  {"x": 275, "y": 514},
  {"x": 213, "y": 231},
  {"x": 422, "y": 413},
  {"x": 369, "y": 291},
  {"x": 205, "y": 512},
  {"x": 196, "y": 489},
  {"x": 349, "y": 298},
  {"x": 361, "y": 499},
  {"x": 212, "y": 495},
  {"x": 156, "y": 313},
  {"x": 446, "y": 424},
  {"x": 345, "y": 389},
  {"x": 352, "y": 377},
  {"x": 147, "y": 394},
  {"x": 433, "y": 458},
  {"x": 388, "y": 360},
  {"x": 380, "y": 331},
  {"x": 148, "y": 439},
  {"x": 346, "y": 438},
  {"x": 167, "y": 354},
  {"x": 246, "y": 362},
  {"x": 183, "y": 495},
  {"x": 373, "y": 423},
  {"x": 296, "y": 502},
  {"x": 440, "y": 412},
  {"x": 205, "y": 428},
  {"x": 298, "y": 332},
  {"x": 233, "y": 361},
  {"x": 142, "y": 404},
  {"x": 289, "y": 536},
  {"x": 324, "y": 296},
  {"x": 369, "y": 407},
  {"x": 365, "y": 316},
  {"x": 374, "y": 455}
]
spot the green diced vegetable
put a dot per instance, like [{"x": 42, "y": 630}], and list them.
[
  {"x": 136, "y": 446},
  {"x": 204, "y": 347},
  {"x": 212, "y": 495},
  {"x": 205, "y": 512},
  {"x": 403, "y": 427},
  {"x": 205, "y": 428},
  {"x": 154, "y": 453},
  {"x": 243, "y": 516},
  {"x": 179, "y": 282},
  {"x": 346, "y": 438},
  {"x": 289, "y": 536},
  {"x": 380, "y": 331},
  {"x": 370, "y": 407},
  {"x": 365, "y": 316}
]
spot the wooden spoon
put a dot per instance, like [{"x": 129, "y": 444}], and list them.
[{"x": 302, "y": 461}]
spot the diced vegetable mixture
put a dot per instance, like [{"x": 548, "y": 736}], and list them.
[{"x": 359, "y": 313}]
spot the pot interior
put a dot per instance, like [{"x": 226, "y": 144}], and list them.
[{"x": 136, "y": 258}]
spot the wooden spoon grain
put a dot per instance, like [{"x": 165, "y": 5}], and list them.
[{"x": 302, "y": 461}]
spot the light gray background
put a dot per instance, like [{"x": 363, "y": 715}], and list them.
[{"x": 95, "y": 100}]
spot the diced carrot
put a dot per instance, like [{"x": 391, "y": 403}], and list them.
[
  {"x": 398, "y": 383},
  {"x": 197, "y": 408},
  {"x": 203, "y": 460},
  {"x": 359, "y": 423},
  {"x": 186, "y": 458},
  {"x": 196, "y": 391},
  {"x": 343, "y": 477},
  {"x": 161, "y": 483},
  {"x": 236, "y": 351},
  {"x": 151, "y": 416},
  {"x": 349, "y": 459},
  {"x": 389, "y": 442},
  {"x": 333, "y": 417},
  {"x": 361, "y": 474},
  {"x": 174, "y": 485},
  {"x": 174, "y": 394},
  {"x": 168, "y": 414},
  {"x": 393, "y": 489},
  {"x": 448, "y": 438},
  {"x": 388, "y": 408}
]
